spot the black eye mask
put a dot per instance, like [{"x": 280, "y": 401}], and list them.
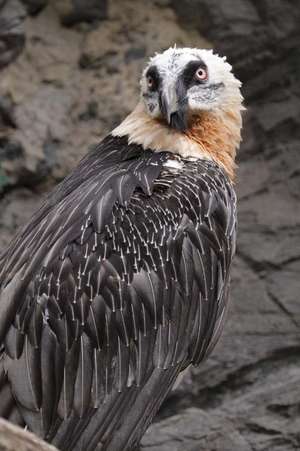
[
  {"x": 153, "y": 73},
  {"x": 188, "y": 73}
]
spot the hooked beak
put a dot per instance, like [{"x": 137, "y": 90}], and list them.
[{"x": 173, "y": 109}]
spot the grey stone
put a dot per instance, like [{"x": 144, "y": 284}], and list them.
[
  {"x": 14, "y": 438},
  {"x": 272, "y": 114},
  {"x": 282, "y": 285},
  {"x": 34, "y": 6},
  {"x": 7, "y": 117},
  {"x": 12, "y": 32},
  {"x": 76, "y": 11},
  {"x": 194, "y": 430}
]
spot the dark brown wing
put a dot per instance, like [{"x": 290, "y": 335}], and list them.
[{"x": 118, "y": 282}]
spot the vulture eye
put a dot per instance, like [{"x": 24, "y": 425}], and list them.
[
  {"x": 201, "y": 74},
  {"x": 151, "y": 83}
]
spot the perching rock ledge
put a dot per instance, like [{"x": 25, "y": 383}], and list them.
[{"x": 13, "y": 438}]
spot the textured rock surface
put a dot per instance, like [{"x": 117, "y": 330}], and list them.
[
  {"x": 13, "y": 438},
  {"x": 34, "y": 6},
  {"x": 12, "y": 36},
  {"x": 76, "y": 11},
  {"x": 72, "y": 85}
]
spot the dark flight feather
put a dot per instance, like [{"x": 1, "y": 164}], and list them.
[{"x": 117, "y": 284}]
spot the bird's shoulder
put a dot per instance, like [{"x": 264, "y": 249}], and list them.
[{"x": 100, "y": 188}]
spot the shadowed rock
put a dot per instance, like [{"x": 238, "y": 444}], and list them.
[
  {"x": 34, "y": 6},
  {"x": 12, "y": 33},
  {"x": 13, "y": 438},
  {"x": 76, "y": 11}
]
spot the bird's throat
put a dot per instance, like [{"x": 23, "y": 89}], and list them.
[
  {"x": 219, "y": 135},
  {"x": 212, "y": 135}
]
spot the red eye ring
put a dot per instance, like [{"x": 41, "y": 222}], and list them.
[
  {"x": 150, "y": 82},
  {"x": 201, "y": 74}
]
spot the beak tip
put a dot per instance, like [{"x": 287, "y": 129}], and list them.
[
  {"x": 178, "y": 121},
  {"x": 175, "y": 117}
]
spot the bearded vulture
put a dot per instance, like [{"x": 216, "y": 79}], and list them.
[{"x": 120, "y": 280}]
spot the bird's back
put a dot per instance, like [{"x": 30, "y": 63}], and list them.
[{"x": 116, "y": 285}]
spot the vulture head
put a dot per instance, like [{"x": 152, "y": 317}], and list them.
[{"x": 178, "y": 84}]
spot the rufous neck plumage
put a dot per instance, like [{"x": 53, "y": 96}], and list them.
[{"x": 215, "y": 135}]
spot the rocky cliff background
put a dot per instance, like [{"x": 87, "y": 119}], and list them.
[{"x": 69, "y": 73}]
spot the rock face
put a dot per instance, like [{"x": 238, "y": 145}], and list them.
[
  {"x": 34, "y": 6},
  {"x": 12, "y": 33},
  {"x": 13, "y": 438},
  {"x": 72, "y": 85},
  {"x": 76, "y": 11}
]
